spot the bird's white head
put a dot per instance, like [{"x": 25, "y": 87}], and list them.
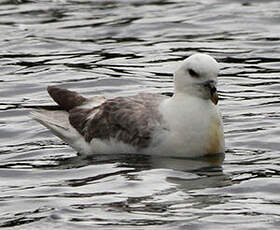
[{"x": 197, "y": 76}]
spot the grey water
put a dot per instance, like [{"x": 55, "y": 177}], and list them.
[{"x": 123, "y": 47}]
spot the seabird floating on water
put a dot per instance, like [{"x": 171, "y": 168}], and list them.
[{"x": 188, "y": 124}]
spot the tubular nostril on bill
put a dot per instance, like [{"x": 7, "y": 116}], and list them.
[
  {"x": 213, "y": 90},
  {"x": 211, "y": 85}
]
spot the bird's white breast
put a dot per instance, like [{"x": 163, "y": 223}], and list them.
[{"x": 193, "y": 128}]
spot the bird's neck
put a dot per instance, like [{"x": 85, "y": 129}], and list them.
[{"x": 182, "y": 101}]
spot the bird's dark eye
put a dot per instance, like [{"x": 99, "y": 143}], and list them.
[{"x": 193, "y": 73}]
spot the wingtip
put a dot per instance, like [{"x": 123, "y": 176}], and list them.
[
  {"x": 67, "y": 99},
  {"x": 51, "y": 89}
]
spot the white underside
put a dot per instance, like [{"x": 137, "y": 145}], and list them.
[
  {"x": 190, "y": 122},
  {"x": 185, "y": 133}
]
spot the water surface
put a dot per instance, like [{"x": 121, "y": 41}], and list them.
[{"x": 122, "y": 48}]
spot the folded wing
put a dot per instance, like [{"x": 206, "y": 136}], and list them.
[{"x": 131, "y": 120}]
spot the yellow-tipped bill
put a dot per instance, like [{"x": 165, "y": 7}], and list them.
[{"x": 215, "y": 98}]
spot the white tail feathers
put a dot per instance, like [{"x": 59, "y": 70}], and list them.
[{"x": 56, "y": 121}]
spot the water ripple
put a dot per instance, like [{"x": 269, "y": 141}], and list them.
[{"x": 122, "y": 48}]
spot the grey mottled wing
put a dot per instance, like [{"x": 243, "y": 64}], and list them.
[{"x": 128, "y": 119}]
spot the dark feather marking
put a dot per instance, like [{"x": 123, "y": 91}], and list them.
[
  {"x": 128, "y": 119},
  {"x": 78, "y": 118},
  {"x": 65, "y": 98}
]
